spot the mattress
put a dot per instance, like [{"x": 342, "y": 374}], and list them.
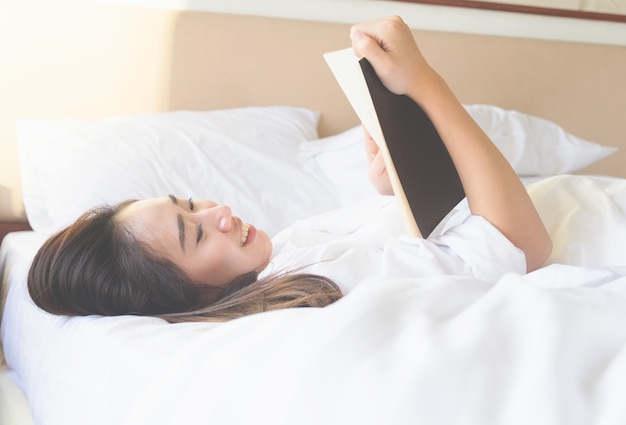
[{"x": 15, "y": 253}]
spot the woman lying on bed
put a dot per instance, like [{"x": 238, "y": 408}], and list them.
[{"x": 194, "y": 260}]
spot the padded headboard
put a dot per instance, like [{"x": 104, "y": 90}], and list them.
[
  {"x": 90, "y": 60},
  {"x": 580, "y": 86}
]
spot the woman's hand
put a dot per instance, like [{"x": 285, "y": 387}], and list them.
[
  {"x": 389, "y": 46},
  {"x": 377, "y": 171}
]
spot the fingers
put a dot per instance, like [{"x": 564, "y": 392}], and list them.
[
  {"x": 389, "y": 46},
  {"x": 385, "y": 32},
  {"x": 371, "y": 148},
  {"x": 378, "y": 175},
  {"x": 376, "y": 40},
  {"x": 377, "y": 170},
  {"x": 364, "y": 45},
  {"x": 377, "y": 165}
]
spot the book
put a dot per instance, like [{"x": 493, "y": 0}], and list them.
[{"x": 423, "y": 176}]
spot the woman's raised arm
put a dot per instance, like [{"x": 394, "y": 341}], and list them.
[{"x": 492, "y": 187}]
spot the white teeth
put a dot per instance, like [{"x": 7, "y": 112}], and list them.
[{"x": 244, "y": 234}]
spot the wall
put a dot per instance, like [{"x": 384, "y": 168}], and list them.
[
  {"x": 111, "y": 63},
  {"x": 418, "y": 16},
  {"x": 115, "y": 63},
  {"x": 600, "y": 6}
]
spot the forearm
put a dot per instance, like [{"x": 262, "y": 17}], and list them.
[
  {"x": 493, "y": 189},
  {"x": 491, "y": 185}
]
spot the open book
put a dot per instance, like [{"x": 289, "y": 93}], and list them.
[{"x": 421, "y": 171}]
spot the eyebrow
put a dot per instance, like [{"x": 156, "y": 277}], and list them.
[
  {"x": 181, "y": 225},
  {"x": 181, "y": 232}
]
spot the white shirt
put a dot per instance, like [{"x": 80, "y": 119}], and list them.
[{"x": 369, "y": 239}]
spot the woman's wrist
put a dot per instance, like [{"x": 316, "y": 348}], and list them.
[{"x": 428, "y": 89}]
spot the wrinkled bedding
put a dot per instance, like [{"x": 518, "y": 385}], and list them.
[{"x": 547, "y": 347}]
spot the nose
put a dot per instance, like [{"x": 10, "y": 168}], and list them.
[{"x": 219, "y": 216}]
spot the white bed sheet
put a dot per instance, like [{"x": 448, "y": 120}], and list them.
[{"x": 544, "y": 348}]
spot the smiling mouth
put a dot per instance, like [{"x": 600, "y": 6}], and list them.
[{"x": 244, "y": 234}]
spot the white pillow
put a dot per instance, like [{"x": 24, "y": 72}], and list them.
[
  {"x": 245, "y": 158},
  {"x": 533, "y": 146},
  {"x": 342, "y": 161}
]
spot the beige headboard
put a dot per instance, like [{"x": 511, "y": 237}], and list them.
[{"x": 94, "y": 60}]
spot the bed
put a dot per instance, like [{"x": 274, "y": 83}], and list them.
[{"x": 548, "y": 347}]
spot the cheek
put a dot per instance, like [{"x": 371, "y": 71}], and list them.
[
  {"x": 219, "y": 266},
  {"x": 262, "y": 255},
  {"x": 204, "y": 271}
]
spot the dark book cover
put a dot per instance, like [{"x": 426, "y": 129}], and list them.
[
  {"x": 421, "y": 172},
  {"x": 426, "y": 173}
]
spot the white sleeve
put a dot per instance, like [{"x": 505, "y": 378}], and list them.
[
  {"x": 483, "y": 248},
  {"x": 369, "y": 239}
]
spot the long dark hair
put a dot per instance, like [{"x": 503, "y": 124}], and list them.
[{"x": 96, "y": 266}]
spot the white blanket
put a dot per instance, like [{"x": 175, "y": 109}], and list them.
[
  {"x": 544, "y": 348},
  {"x": 437, "y": 351}
]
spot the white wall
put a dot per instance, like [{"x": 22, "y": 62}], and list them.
[
  {"x": 600, "y": 6},
  {"x": 48, "y": 48},
  {"x": 419, "y": 16},
  {"x": 42, "y": 53}
]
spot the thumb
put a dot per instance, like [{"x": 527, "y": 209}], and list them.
[{"x": 364, "y": 45}]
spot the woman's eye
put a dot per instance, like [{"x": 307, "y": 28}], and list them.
[
  {"x": 200, "y": 233},
  {"x": 191, "y": 206}
]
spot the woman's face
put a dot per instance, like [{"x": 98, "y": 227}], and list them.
[{"x": 201, "y": 237}]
